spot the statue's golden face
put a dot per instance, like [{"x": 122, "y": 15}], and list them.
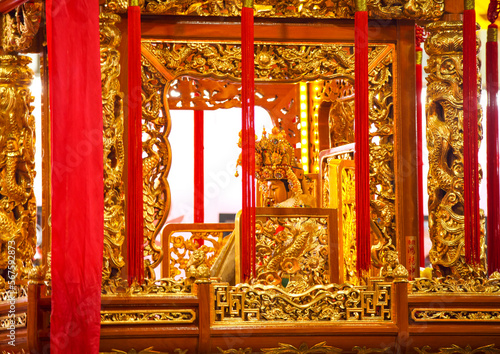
[{"x": 275, "y": 193}]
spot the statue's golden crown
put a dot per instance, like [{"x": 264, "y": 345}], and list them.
[
  {"x": 275, "y": 159},
  {"x": 274, "y": 156}
]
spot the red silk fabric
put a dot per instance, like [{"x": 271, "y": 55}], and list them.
[
  {"x": 248, "y": 145},
  {"x": 135, "y": 229},
  {"x": 77, "y": 175},
  {"x": 361, "y": 128},
  {"x": 470, "y": 149},
  {"x": 493, "y": 156}
]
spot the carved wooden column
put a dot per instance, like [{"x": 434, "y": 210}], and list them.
[
  {"x": 114, "y": 155},
  {"x": 17, "y": 149},
  {"x": 444, "y": 114},
  {"x": 17, "y": 169}
]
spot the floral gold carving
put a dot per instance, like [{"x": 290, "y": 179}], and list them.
[
  {"x": 17, "y": 168},
  {"x": 295, "y": 248},
  {"x": 453, "y": 315},
  {"x": 19, "y": 28},
  {"x": 114, "y": 153},
  {"x": 159, "y": 287},
  {"x": 444, "y": 112},
  {"x": 148, "y": 316},
  {"x": 449, "y": 284},
  {"x": 455, "y": 349},
  {"x": 302, "y": 349},
  {"x": 321, "y": 303}
]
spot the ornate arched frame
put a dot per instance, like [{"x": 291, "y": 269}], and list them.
[{"x": 164, "y": 61}]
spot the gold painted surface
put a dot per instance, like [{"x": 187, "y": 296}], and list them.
[
  {"x": 296, "y": 248},
  {"x": 114, "y": 152},
  {"x": 19, "y": 29},
  {"x": 159, "y": 287},
  {"x": 19, "y": 321},
  {"x": 302, "y": 349},
  {"x": 449, "y": 284},
  {"x": 455, "y": 349},
  {"x": 17, "y": 169},
  {"x": 142, "y": 317},
  {"x": 155, "y": 164},
  {"x": 454, "y": 315},
  {"x": 246, "y": 304},
  {"x": 444, "y": 114},
  {"x": 409, "y": 9}
]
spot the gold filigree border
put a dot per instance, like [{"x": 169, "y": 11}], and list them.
[
  {"x": 132, "y": 317},
  {"x": 455, "y": 315}
]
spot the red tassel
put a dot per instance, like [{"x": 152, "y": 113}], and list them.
[
  {"x": 418, "y": 68},
  {"x": 199, "y": 176},
  {"x": 199, "y": 183},
  {"x": 470, "y": 149},
  {"x": 362, "y": 142},
  {"x": 493, "y": 155},
  {"x": 135, "y": 231},
  {"x": 248, "y": 144}
]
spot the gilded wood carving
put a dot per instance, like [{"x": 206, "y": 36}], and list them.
[
  {"x": 340, "y": 9},
  {"x": 114, "y": 153},
  {"x": 246, "y": 304},
  {"x": 444, "y": 112},
  {"x": 17, "y": 169}
]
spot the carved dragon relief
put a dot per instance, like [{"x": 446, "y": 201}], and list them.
[
  {"x": 114, "y": 153},
  {"x": 341, "y": 9},
  {"x": 17, "y": 167},
  {"x": 445, "y": 143}
]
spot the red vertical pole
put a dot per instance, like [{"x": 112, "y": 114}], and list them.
[
  {"x": 493, "y": 155},
  {"x": 361, "y": 127},
  {"x": 418, "y": 72},
  {"x": 199, "y": 162},
  {"x": 470, "y": 128},
  {"x": 135, "y": 231},
  {"x": 199, "y": 175},
  {"x": 248, "y": 142}
]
